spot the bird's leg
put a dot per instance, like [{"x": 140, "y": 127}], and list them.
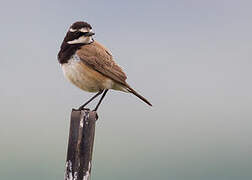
[
  {"x": 103, "y": 95},
  {"x": 91, "y": 99}
]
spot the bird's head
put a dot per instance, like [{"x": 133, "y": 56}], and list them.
[{"x": 79, "y": 33}]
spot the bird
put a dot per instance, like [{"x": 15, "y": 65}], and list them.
[{"x": 90, "y": 66}]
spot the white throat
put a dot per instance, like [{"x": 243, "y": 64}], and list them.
[{"x": 82, "y": 39}]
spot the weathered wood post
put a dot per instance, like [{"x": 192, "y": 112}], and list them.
[{"x": 80, "y": 145}]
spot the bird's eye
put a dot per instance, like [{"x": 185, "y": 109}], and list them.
[{"x": 79, "y": 33}]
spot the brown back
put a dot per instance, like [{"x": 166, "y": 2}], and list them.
[{"x": 98, "y": 57}]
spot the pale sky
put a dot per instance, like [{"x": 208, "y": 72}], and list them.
[{"x": 190, "y": 58}]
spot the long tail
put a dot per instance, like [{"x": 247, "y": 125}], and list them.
[{"x": 138, "y": 95}]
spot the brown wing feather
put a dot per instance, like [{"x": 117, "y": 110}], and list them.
[{"x": 99, "y": 58}]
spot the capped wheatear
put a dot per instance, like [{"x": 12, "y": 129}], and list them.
[{"x": 89, "y": 65}]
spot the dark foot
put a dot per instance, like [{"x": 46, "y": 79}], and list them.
[
  {"x": 81, "y": 108},
  {"x": 96, "y": 114}
]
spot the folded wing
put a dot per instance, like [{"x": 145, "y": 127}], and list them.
[{"x": 98, "y": 57}]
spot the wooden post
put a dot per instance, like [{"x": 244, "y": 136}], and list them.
[{"x": 80, "y": 145}]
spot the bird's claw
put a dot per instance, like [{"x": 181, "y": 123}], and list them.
[
  {"x": 82, "y": 108},
  {"x": 96, "y": 114}
]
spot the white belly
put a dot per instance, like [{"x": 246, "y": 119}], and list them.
[{"x": 84, "y": 77}]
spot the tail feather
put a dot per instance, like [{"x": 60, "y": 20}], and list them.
[{"x": 138, "y": 95}]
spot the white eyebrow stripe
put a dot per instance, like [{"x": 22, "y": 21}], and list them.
[
  {"x": 72, "y": 30},
  {"x": 85, "y": 30}
]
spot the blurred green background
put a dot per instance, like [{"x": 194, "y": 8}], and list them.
[{"x": 190, "y": 58}]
